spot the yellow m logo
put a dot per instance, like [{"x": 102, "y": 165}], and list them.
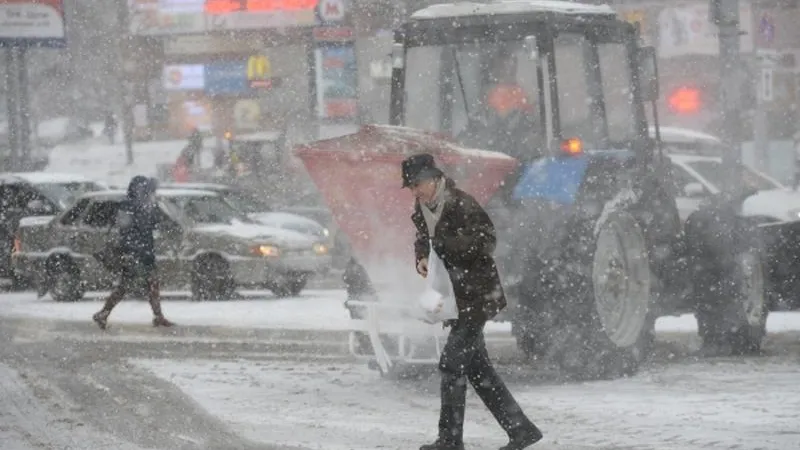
[{"x": 258, "y": 68}]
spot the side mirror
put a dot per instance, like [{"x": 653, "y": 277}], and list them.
[
  {"x": 648, "y": 73},
  {"x": 694, "y": 190}
]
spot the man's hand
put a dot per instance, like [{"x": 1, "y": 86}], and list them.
[{"x": 422, "y": 267}]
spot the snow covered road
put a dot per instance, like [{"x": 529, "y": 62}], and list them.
[{"x": 751, "y": 404}]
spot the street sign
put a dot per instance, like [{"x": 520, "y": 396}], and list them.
[{"x": 32, "y": 23}]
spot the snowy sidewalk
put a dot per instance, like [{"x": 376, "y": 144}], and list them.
[
  {"x": 260, "y": 314},
  {"x": 710, "y": 405}
]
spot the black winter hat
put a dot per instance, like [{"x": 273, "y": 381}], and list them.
[{"x": 418, "y": 168}]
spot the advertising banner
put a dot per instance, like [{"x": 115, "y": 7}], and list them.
[
  {"x": 337, "y": 81},
  {"x": 171, "y": 17},
  {"x": 184, "y": 77},
  {"x": 243, "y": 77},
  {"x": 685, "y": 30},
  {"x": 32, "y": 23}
]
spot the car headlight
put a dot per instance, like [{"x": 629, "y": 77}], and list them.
[
  {"x": 320, "y": 249},
  {"x": 326, "y": 232},
  {"x": 266, "y": 250}
]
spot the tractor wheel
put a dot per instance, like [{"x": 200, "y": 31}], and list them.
[{"x": 605, "y": 327}]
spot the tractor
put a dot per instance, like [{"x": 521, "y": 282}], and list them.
[{"x": 591, "y": 246}]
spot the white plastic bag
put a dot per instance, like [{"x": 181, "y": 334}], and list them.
[{"x": 438, "y": 301}]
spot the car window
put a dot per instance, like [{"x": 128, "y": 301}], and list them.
[
  {"x": 64, "y": 194},
  {"x": 73, "y": 215},
  {"x": 246, "y": 202},
  {"x": 712, "y": 171},
  {"x": 101, "y": 214},
  {"x": 208, "y": 210}
]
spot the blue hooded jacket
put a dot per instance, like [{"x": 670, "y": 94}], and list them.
[{"x": 136, "y": 220}]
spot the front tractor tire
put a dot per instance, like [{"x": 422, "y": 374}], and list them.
[{"x": 591, "y": 311}]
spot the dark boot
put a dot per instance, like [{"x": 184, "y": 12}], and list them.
[
  {"x": 439, "y": 445},
  {"x": 498, "y": 399},
  {"x": 523, "y": 437},
  {"x": 451, "y": 416}
]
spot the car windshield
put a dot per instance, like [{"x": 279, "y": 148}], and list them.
[
  {"x": 244, "y": 201},
  {"x": 65, "y": 193},
  {"x": 712, "y": 171},
  {"x": 206, "y": 210}
]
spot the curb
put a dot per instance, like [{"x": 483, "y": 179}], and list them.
[{"x": 324, "y": 338}]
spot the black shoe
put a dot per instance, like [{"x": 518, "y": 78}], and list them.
[
  {"x": 523, "y": 439},
  {"x": 442, "y": 445}
]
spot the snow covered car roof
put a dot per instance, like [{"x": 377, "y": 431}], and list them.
[
  {"x": 45, "y": 177},
  {"x": 160, "y": 193},
  {"x": 510, "y": 7},
  {"x": 196, "y": 186},
  {"x": 684, "y": 135}
]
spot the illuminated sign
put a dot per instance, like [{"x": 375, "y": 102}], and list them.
[
  {"x": 231, "y": 6},
  {"x": 685, "y": 100},
  {"x": 258, "y": 68}
]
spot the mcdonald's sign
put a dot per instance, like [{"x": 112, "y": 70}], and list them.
[{"x": 258, "y": 68}]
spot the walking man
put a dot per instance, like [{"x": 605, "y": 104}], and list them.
[
  {"x": 134, "y": 226},
  {"x": 463, "y": 236}
]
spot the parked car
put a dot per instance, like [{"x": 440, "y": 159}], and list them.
[
  {"x": 202, "y": 241},
  {"x": 27, "y": 194},
  {"x": 775, "y": 207}
]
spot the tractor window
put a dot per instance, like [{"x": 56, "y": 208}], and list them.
[
  {"x": 617, "y": 80},
  {"x": 594, "y": 80},
  {"x": 575, "y": 101},
  {"x": 484, "y": 94}
]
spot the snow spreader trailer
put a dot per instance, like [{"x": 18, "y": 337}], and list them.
[{"x": 591, "y": 247}]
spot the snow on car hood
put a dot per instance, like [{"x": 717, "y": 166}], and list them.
[
  {"x": 260, "y": 234},
  {"x": 781, "y": 204},
  {"x": 32, "y": 221},
  {"x": 288, "y": 221}
]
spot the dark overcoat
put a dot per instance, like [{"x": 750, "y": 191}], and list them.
[{"x": 465, "y": 240}]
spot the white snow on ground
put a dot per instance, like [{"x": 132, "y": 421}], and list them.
[
  {"x": 744, "y": 405},
  {"x": 312, "y": 310}
]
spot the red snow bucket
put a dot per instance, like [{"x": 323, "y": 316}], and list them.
[{"x": 359, "y": 177}]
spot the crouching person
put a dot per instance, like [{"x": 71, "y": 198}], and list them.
[
  {"x": 133, "y": 229},
  {"x": 463, "y": 236}
]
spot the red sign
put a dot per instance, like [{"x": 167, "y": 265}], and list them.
[
  {"x": 32, "y": 21},
  {"x": 685, "y": 100},
  {"x": 230, "y": 6}
]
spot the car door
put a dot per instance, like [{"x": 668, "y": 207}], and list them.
[
  {"x": 168, "y": 244},
  {"x": 686, "y": 201},
  {"x": 91, "y": 236}
]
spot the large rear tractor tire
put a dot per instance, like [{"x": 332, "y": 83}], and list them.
[{"x": 594, "y": 318}]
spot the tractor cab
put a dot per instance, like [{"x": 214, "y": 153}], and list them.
[{"x": 525, "y": 78}]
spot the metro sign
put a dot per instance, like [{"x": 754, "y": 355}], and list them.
[{"x": 331, "y": 10}]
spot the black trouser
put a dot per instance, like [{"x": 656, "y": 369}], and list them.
[{"x": 464, "y": 357}]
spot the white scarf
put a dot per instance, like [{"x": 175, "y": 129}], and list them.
[{"x": 432, "y": 211}]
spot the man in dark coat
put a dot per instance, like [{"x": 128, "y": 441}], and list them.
[
  {"x": 463, "y": 236},
  {"x": 133, "y": 227}
]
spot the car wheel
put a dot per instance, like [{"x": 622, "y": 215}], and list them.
[
  {"x": 729, "y": 281},
  {"x": 66, "y": 285},
  {"x": 289, "y": 285},
  {"x": 212, "y": 279},
  {"x": 733, "y": 318}
]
